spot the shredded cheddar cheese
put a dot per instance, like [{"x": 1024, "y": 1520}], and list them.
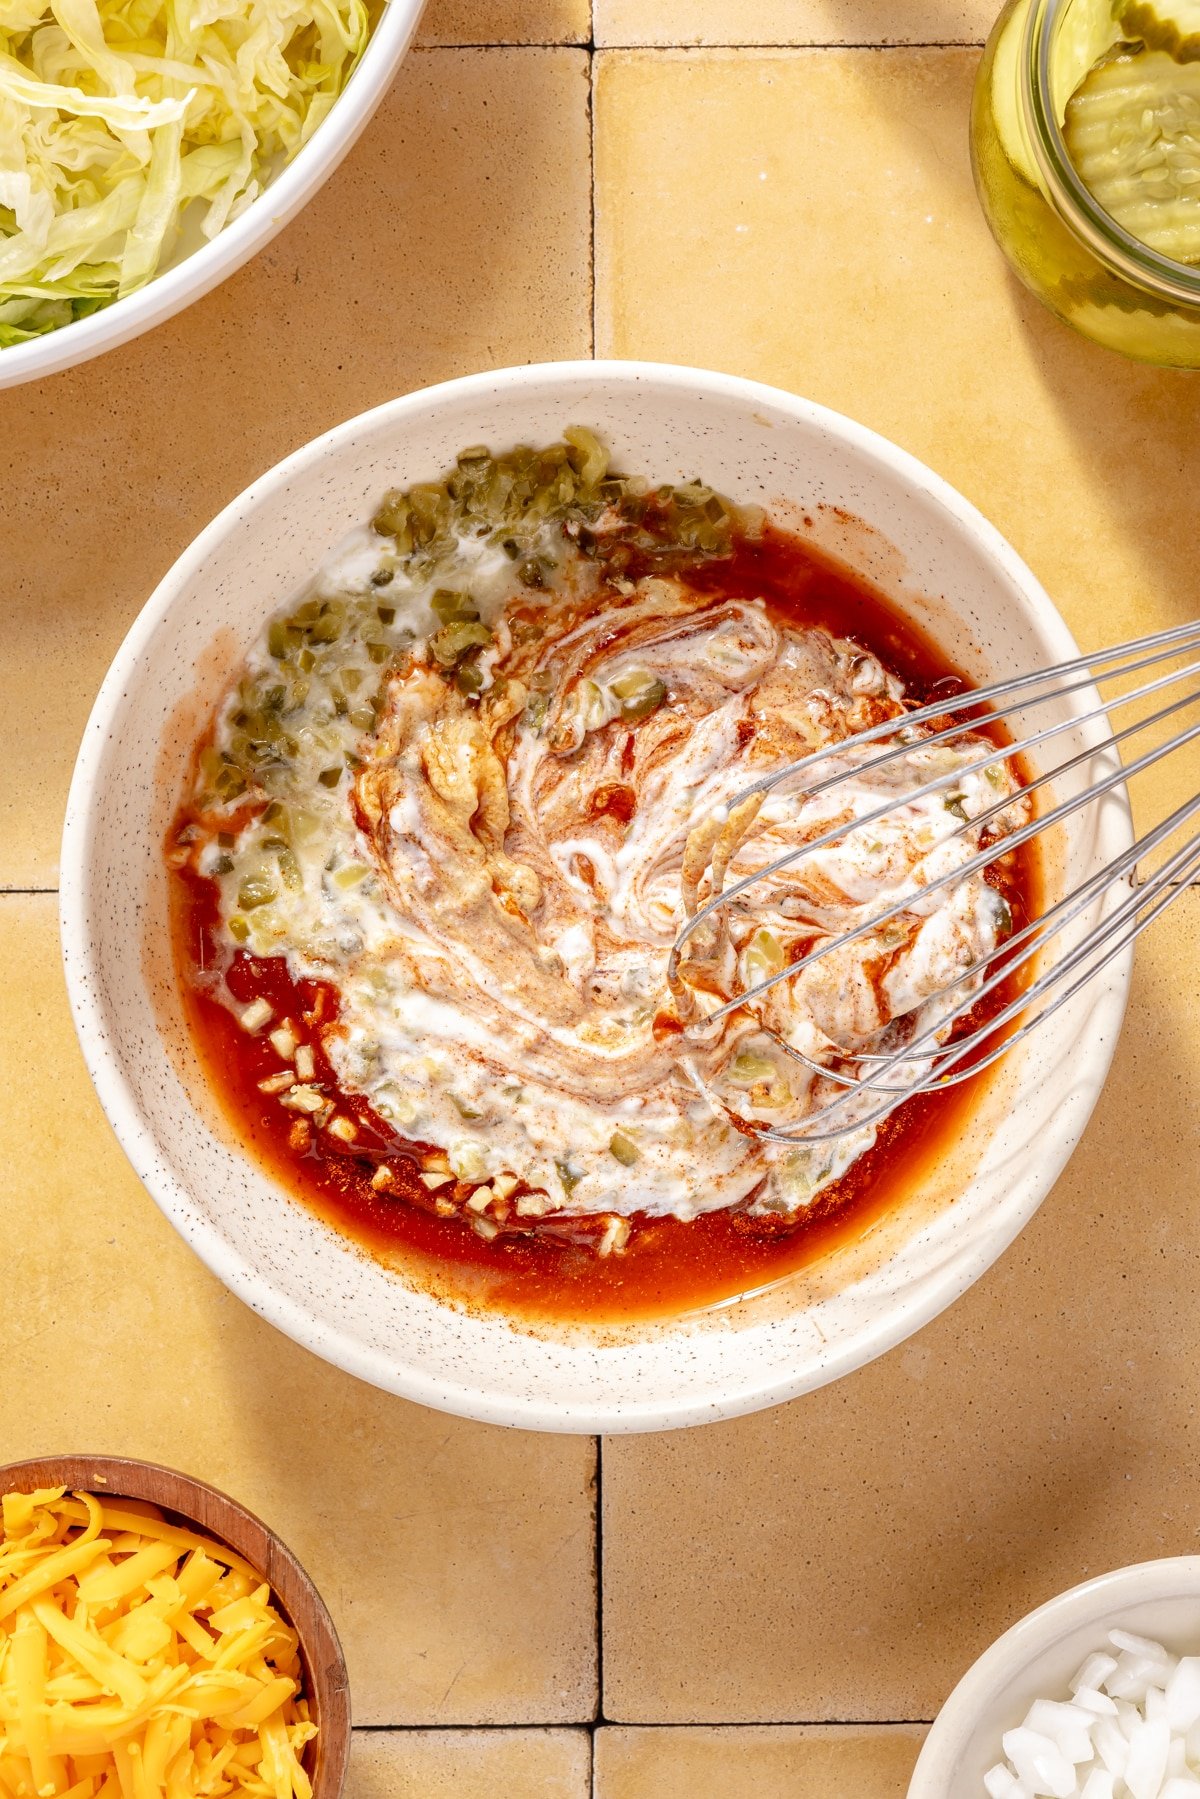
[{"x": 140, "y": 1661}]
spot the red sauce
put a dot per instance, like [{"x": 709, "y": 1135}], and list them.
[{"x": 668, "y": 1267}]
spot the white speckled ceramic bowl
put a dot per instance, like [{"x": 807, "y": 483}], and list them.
[
  {"x": 862, "y": 498},
  {"x": 197, "y": 264},
  {"x": 1038, "y": 1656}
]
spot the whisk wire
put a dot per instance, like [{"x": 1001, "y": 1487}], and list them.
[
  {"x": 1013, "y": 840},
  {"x": 1159, "y": 889},
  {"x": 1066, "y": 910},
  {"x": 938, "y": 1055},
  {"x": 1166, "y": 644},
  {"x": 948, "y": 779}
]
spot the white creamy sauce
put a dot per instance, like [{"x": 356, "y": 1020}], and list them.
[{"x": 499, "y": 993}]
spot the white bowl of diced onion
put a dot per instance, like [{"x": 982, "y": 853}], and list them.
[{"x": 1095, "y": 1695}]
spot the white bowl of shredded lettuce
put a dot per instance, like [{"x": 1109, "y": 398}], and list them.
[{"x": 148, "y": 148}]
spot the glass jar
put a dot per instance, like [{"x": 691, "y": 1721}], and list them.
[{"x": 1071, "y": 253}]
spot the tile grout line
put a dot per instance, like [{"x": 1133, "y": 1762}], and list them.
[
  {"x": 952, "y": 43},
  {"x": 767, "y": 1724},
  {"x": 592, "y": 1726},
  {"x": 551, "y": 43},
  {"x": 591, "y": 56},
  {"x": 592, "y": 47},
  {"x": 493, "y": 1728},
  {"x": 599, "y": 1566}
]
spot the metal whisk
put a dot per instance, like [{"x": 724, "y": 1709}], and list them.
[{"x": 1093, "y": 923}]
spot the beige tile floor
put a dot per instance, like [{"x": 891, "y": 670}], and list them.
[
  {"x": 785, "y": 1599},
  {"x": 492, "y": 22},
  {"x": 801, "y": 1762},
  {"x": 672, "y": 23},
  {"x": 471, "y": 1764}
]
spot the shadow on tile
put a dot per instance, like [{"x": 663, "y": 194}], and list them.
[{"x": 1137, "y": 429}]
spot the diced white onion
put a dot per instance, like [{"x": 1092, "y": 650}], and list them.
[
  {"x": 1130, "y": 1730},
  {"x": 1094, "y": 1672},
  {"x": 1183, "y": 1694},
  {"x": 1147, "y": 1764}
]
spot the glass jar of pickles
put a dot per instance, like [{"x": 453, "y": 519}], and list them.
[{"x": 1085, "y": 141}]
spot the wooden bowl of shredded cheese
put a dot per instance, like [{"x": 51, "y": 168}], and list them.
[{"x": 157, "y": 1641}]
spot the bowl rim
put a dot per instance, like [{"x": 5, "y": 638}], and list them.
[
  {"x": 531, "y": 1412},
  {"x": 215, "y": 1514},
  {"x": 178, "y": 285},
  {"x": 1003, "y": 1662}
]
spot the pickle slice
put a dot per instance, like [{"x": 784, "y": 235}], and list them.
[
  {"x": 1006, "y": 101},
  {"x": 1170, "y": 25},
  {"x": 1133, "y": 133},
  {"x": 1087, "y": 29}
]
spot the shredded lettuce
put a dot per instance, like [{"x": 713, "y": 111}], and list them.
[{"x": 117, "y": 117}]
